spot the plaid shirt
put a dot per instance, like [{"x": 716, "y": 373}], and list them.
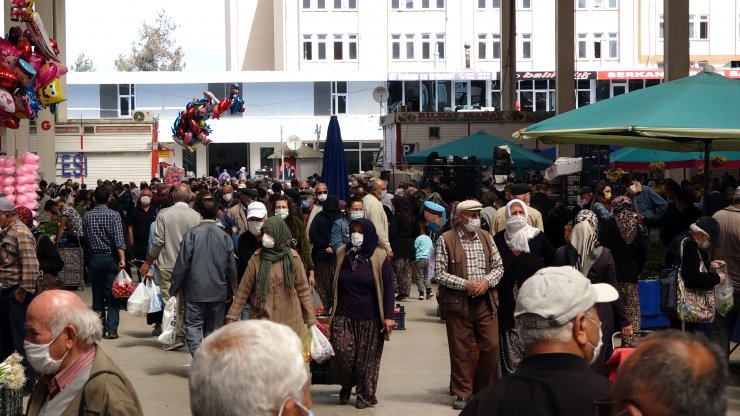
[
  {"x": 58, "y": 382},
  {"x": 103, "y": 230},
  {"x": 475, "y": 259},
  {"x": 18, "y": 262}
]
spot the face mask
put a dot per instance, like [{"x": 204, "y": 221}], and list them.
[
  {"x": 39, "y": 358},
  {"x": 597, "y": 348},
  {"x": 268, "y": 241},
  {"x": 322, "y": 197},
  {"x": 633, "y": 189},
  {"x": 473, "y": 224},
  {"x": 432, "y": 227},
  {"x": 356, "y": 215},
  {"x": 357, "y": 239},
  {"x": 255, "y": 227},
  {"x": 306, "y": 204},
  {"x": 516, "y": 223},
  {"x": 145, "y": 200},
  {"x": 705, "y": 244},
  {"x": 70, "y": 200},
  {"x": 228, "y": 197},
  {"x": 282, "y": 213},
  {"x": 383, "y": 194},
  {"x": 608, "y": 196}
]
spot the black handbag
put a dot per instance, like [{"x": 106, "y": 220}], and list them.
[{"x": 669, "y": 285}]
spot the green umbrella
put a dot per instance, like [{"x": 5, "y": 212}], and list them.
[
  {"x": 699, "y": 112},
  {"x": 636, "y": 158},
  {"x": 481, "y": 146}
]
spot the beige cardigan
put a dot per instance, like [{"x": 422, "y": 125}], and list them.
[{"x": 294, "y": 308}]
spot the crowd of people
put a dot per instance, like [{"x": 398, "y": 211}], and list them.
[{"x": 534, "y": 285}]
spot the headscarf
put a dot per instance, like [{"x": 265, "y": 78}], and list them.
[
  {"x": 626, "y": 217},
  {"x": 517, "y": 234},
  {"x": 330, "y": 209},
  {"x": 359, "y": 255},
  {"x": 25, "y": 215},
  {"x": 280, "y": 232},
  {"x": 583, "y": 237},
  {"x": 402, "y": 207}
]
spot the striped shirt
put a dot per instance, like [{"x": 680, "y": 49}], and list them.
[
  {"x": 103, "y": 230},
  {"x": 475, "y": 259},
  {"x": 62, "y": 379},
  {"x": 18, "y": 261}
]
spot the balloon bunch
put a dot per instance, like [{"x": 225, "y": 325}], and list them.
[
  {"x": 190, "y": 126},
  {"x": 18, "y": 181},
  {"x": 29, "y": 68}
]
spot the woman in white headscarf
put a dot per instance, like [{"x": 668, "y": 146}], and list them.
[
  {"x": 524, "y": 250},
  {"x": 584, "y": 253}
]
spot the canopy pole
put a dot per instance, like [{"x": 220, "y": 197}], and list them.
[{"x": 707, "y": 149}]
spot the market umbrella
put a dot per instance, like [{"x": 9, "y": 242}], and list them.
[
  {"x": 636, "y": 158},
  {"x": 334, "y": 169},
  {"x": 696, "y": 113},
  {"x": 303, "y": 152},
  {"x": 481, "y": 146}
]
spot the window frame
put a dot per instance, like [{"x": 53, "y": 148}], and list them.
[
  {"x": 526, "y": 40},
  {"x": 612, "y": 38},
  {"x": 131, "y": 100},
  {"x": 336, "y": 97}
]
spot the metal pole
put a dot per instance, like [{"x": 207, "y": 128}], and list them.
[
  {"x": 282, "y": 156},
  {"x": 707, "y": 149}
]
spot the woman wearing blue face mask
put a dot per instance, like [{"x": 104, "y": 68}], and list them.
[
  {"x": 282, "y": 206},
  {"x": 362, "y": 315}
]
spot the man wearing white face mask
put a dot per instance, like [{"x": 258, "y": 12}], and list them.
[
  {"x": 321, "y": 192},
  {"x": 77, "y": 376},
  {"x": 560, "y": 329},
  {"x": 374, "y": 212},
  {"x": 468, "y": 268}
]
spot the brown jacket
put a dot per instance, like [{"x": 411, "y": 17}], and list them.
[
  {"x": 294, "y": 308},
  {"x": 106, "y": 394},
  {"x": 729, "y": 242}
]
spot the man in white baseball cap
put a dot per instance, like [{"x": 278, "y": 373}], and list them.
[{"x": 560, "y": 330}]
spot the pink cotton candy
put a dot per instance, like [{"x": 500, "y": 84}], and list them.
[{"x": 29, "y": 157}]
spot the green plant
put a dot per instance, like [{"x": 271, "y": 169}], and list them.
[{"x": 655, "y": 260}]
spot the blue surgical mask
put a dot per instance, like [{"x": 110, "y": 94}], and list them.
[{"x": 306, "y": 203}]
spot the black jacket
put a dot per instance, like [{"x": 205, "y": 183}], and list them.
[
  {"x": 402, "y": 234},
  {"x": 247, "y": 244},
  {"x": 628, "y": 259},
  {"x": 692, "y": 255},
  {"x": 50, "y": 262}
]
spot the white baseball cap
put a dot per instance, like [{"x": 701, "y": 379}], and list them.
[
  {"x": 555, "y": 295},
  {"x": 256, "y": 210}
]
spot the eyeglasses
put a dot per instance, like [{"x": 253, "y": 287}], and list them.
[{"x": 321, "y": 192}]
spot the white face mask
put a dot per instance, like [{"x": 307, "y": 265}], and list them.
[
  {"x": 597, "y": 348},
  {"x": 145, "y": 200},
  {"x": 282, "y": 213},
  {"x": 473, "y": 224},
  {"x": 322, "y": 197},
  {"x": 228, "y": 197},
  {"x": 268, "y": 241},
  {"x": 255, "y": 227},
  {"x": 356, "y": 215},
  {"x": 516, "y": 223},
  {"x": 39, "y": 358},
  {"x": 383, "y": 194},
  {"x": 633, "y": 189},
  {"x": 356, "y": 239}
]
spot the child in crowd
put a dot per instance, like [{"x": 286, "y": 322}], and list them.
[{"x": 423, "y": 246}]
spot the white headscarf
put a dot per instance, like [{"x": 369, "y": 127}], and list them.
[{"x": 518, "y": 231}]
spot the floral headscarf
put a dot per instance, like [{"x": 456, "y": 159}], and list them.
[
  {"x": 626, "y": 217},
  {"x": 583, "y": 236}
]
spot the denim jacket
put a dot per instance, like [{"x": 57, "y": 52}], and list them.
[
  {"x": 340, "y": 233},
  {"x": 649, "y": 204}
]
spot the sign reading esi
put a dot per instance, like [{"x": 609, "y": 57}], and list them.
[{"x": 72, "y": 165}]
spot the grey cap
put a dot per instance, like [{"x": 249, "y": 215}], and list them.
[
  {"x": 6, "y": 205},
  {"x": 307, "y": 192},
  {"x": 555, "y": 295}
]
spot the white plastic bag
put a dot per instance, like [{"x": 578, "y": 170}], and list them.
[
  {"x": 123, "y": 286},
  {"x": 138, "y": 302},
  {"x": 155, "y": 303},
  {"x": 321, "y": 349},
  {"x": 723, "y": 300},
  {"x": 169, "y": 322}
]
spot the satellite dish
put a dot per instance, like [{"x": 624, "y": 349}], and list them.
[
  {"x": 381, "y": 94},
  {"x": 294, "y": 142}
]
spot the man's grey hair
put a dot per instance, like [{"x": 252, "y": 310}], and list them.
[
  {"x": 533, "y": 336},
  {"x": 182, "y": 193},
  {"x": 87, "y": 322},
  {"x": 376, "y": 183},
  {"x": 247, "y": 368}
]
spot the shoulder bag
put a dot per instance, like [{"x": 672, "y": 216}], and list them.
[
  {"x": 695, "y": 305},
  {"x": 669, "y": 285}
]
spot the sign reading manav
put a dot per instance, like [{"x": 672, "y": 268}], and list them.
[
  {"x": 138, "y": 129},
  {"x": 473, "y": 116}
]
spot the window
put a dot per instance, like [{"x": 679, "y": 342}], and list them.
[
  {"x": 581, "y": 46},
  {"x": 526, "y": 4},
  {"x": 337, "y": 4},
  {"x": 307, "y": 48},
  {"x": 481, "y": 4},
  {"x": 738, "y": 26},
  {"x": 424, "y": 4},
  {"x": 581, "y": 4},
  {"x": 598, "y": 37},
  {"x": 598, "y": 4},
  {"x": 692, "y": 25},
  {"x": 394, "y": 4},
  {"x": 126, "y": 101},
  {"x": 440, "y": 4},
  {"x": 306, "y": 4},
  {"x": 321, "y": 4},
  {"x": 434, "y": 133},
  {"x": 441, "y": 45},
  {"x": 396, "y": 46},
  {"x": 526, "y": 46},
  {"x": 612, "y": 4},
  {"x": 338, "y": 55},
  {"x": 339, "y": 97},
  {"x": 482, "y": 46},
  {"x": 352, "y": 46},
  {"x": 703, "y": 27},
  {"x": 536, "y": 95},
  {"x": 496, "y": 4},
  {"x": 613, "y": 45},
  {"x": 583, "y": 92},
  {"x": 409, "y": 4},
  {"x": 661, "y": 26},
  {"x": 352, "y": 4},
  {"x": 496, "y": 46},
  {"x": 426, "y": 46},
  {"x": 322, "y": 47},
  {"x": 409, "y": 46}
]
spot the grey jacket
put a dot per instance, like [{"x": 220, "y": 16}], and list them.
[
  {"x": 172, "y": 223},
  {"x": 205, "y": 268}
]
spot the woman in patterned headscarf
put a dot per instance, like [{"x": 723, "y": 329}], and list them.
[
  {"x": 362, "y": 316},
  {"x": 595, "y": 262},
  {"x": 275, "y": 282},
  {"x": 621, "y": 235}
]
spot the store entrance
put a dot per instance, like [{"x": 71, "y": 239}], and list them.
[{"x": 231, "y": 156}]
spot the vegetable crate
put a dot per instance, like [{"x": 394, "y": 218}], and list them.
[
  {"x": 11, "y": 402},
  {"x": 73, "y": 273}
]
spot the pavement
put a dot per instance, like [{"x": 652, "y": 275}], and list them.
[{"x": 414, "y": 373}]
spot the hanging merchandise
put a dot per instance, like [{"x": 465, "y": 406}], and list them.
[{"x": 190, "y": 126}]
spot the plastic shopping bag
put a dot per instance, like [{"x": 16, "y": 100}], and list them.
[
  {"x": 155, "y": 303},
  {"x": 723, "y": 300},
  {"x": 169, "y": 322},
  {"x": 123, "y": 286},
  {"x": 321, "y": 349},
  {"x": 138, "y": 303}
]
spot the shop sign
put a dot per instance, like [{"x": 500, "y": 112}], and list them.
[
  {"x": 551, "y": 75},
  {"x": 72, "y": 165},
  {"x": 473, "y": 117},
  {"x": 657, "y": 74},
  {"x": 441, "y": 76},
  {"x": 123, "y": 129},
  {"x": 409, "y": 148}
]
